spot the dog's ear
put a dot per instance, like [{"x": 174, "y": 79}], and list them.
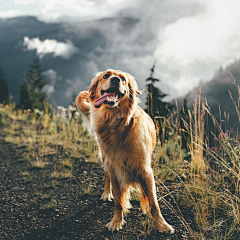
[
  {"x": 133, "y": 87},
  {"x": 93, "y": 87}
]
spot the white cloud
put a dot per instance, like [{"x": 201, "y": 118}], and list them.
[
  {"x": 52, "y": 77},
  {"x": 202, "y": 37},
  {"x": 53, "y": 10},
  {"x": 58, "y": 49},
  {"x": 10, "y": 13},
  {"x": 193, "y": 47},
  {"x": 24, "y": 2},
  {"x": 49, "y": 89}
]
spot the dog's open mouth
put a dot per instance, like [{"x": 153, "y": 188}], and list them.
[{"x": 110, "y": 97}]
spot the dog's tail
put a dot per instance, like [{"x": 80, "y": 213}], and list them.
[{"x": 144, "y": 201}]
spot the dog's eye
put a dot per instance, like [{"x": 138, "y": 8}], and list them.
[
  {"x": 123, "y": 78},
  {"x": 106, "y": 76}
]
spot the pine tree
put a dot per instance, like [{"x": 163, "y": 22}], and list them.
[
  {"x": 39, "y": 98},
  {"x": 156, "y": 107},
  {"x": 25, "y": 94},
  {"x": 4, "y": 93},
  {"x": 35, "y": 74},
  {"x": 31, "y": 94}
]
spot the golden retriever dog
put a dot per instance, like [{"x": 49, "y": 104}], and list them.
[{"x": 126, "y": 138}]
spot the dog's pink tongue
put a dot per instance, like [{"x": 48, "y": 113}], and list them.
[{"x": 109, "y": 97}]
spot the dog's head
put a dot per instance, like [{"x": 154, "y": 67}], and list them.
[{"x": 113, "y": 88}]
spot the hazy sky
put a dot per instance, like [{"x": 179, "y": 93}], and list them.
[{"x": 193, "y": 37}]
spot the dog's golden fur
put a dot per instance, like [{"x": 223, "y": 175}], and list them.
[{"x": 126, "y": 138}]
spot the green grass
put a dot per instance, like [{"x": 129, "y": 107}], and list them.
[
  {"x": 61, "y": 175},
  {"x": 24, "y": 159},
  {"x": 46, "y": 197},
  {"x": 50, "y": 207},
  {"x": 27, "y": 177}
]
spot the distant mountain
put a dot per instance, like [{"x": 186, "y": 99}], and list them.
[
  {"x": 217, "y": 93},
  {"x": 93, "y": 39},
  {"x": 111, "y": 42}
]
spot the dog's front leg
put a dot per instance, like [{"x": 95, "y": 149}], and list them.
[
  {"x": 82, "y": 103},
  {"x": 146, "y": 180},
  {"x": 117, "y": 221},
  {"x": 107, "y": 194}
]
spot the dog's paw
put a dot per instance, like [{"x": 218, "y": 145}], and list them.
[
  {"x": 107, "y": 196},
  {"x": 115, "y": 225},
  {"x": 164, "y": 227}
]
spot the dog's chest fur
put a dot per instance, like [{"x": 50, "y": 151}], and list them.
[
  {"x": 114, "y": 139},
  {"x": 114, "y": 136}
]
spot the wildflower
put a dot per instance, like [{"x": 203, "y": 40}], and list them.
[
  {"x": 61, "y": 111},
  {"x": 71, "y": 108},
  {"x": 76, "y": 115},
  {"x": 71, "y": 111},
  {"x": 38, "y": 112}
]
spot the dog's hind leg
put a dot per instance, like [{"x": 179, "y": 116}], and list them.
[
  {"x": 107, "y": 194},
  {"x": 148, "y": 188}
]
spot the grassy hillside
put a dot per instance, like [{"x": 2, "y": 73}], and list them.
[{"x": 52, "y": 180}]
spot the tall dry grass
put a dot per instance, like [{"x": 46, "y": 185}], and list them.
[{"x": 209, "y": 178}]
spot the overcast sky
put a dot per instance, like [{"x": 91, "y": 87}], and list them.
[{"x": 193, "y": 37}]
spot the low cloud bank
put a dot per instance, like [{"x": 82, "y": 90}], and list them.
[{"x": 50, "y": 46}]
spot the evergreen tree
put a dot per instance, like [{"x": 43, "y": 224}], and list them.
[
  {"x": 4, "y": 93},
  {"x": 39, "y": 98},
  {"x": 25, "y": 94},
  {"x": 35, "y": 75},
  {"x": 31, "y": 94},
  {"x": 156, "y": 107}
]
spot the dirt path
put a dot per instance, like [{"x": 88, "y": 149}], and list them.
[{"x": 34, "y": 206}]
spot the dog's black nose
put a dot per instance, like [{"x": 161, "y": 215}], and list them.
[{"x": 115, "y": 80}]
